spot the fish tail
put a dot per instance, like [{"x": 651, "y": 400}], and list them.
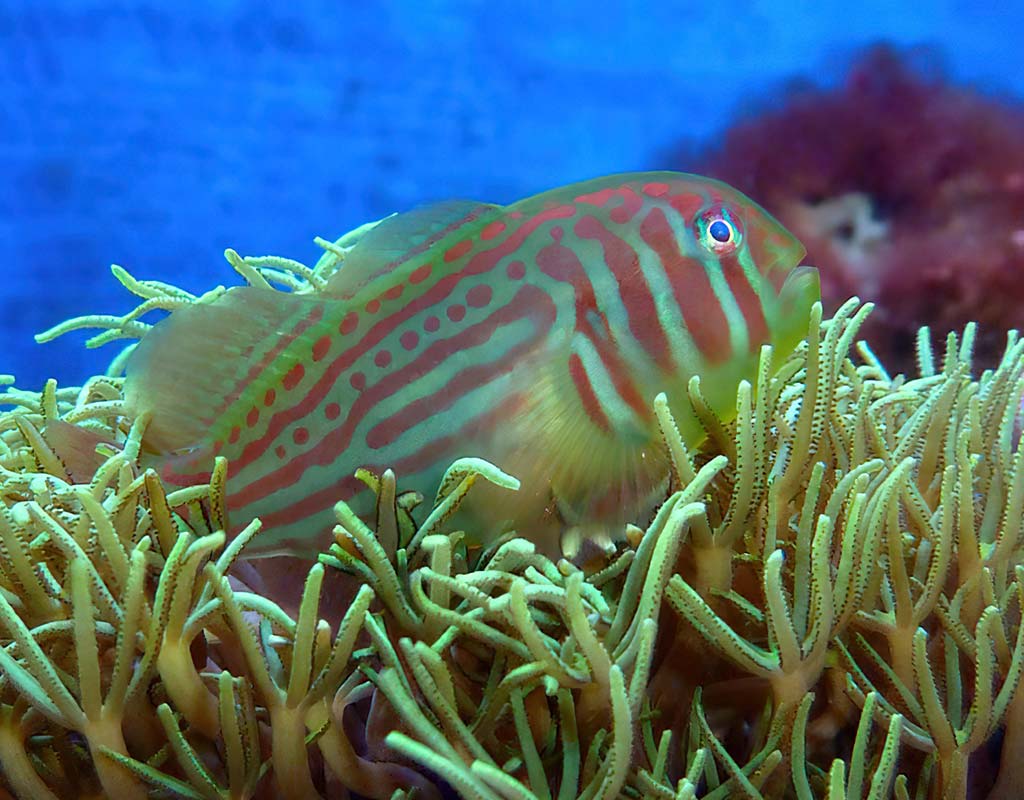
[
  {"x": 190, "y": 372},
  {"x": 75, "y": 447}
]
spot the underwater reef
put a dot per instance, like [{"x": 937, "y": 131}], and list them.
[
  {"x": 906, "y": 188},
  {"x": 826, "y": 604}
]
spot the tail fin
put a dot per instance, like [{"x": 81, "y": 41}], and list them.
[
  {"x": 75, "y": 446},
  {"x": 192, "y": 365}
]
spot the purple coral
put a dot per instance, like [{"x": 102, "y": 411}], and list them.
[{"x": 907, "y": 190}]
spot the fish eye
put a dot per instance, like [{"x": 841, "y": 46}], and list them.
[{"x": 718, "y": 231}]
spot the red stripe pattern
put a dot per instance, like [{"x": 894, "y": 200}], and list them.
[{"x": 555, "y": 320}]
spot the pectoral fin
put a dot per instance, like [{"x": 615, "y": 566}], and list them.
[
  {"x": 800, "y": 291},
  {"x": 585, "y": 460}
]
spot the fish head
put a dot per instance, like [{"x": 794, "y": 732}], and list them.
[
  {"x": 735, "y": 236},
  {"x": 734, "y": 283},
  {"x": 728, "y": 224}
]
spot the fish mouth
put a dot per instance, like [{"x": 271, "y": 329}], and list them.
[
  {"x": 779, "y": 269},
  {"x": 800, "y": 289}
]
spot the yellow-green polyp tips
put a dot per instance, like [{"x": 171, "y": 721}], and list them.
[{"x": 840, "y": 555}]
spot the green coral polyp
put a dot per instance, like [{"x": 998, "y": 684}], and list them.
[{"x": 827, "y": 604}]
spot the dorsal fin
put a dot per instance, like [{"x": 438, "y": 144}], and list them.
[{"x": 401, "y": 237}]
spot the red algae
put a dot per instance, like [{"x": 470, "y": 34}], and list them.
[{"x": 907, "y": 189}]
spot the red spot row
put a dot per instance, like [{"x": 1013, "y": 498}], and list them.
[
  {"x": 258, "y": 366},
  {"x": 293, "y": 376},
  {"x": 457, "y": 251},
  {"x": 348, "y": 323},
  {"x": 478, "y": 264},
  {"x": 479, "y": 296},
  {"x": 321, "y": 348},
  {"x": 300, "y": 435},
  {"x": 527, "y": 302},
  {"x": 492, "y": 229},
  {"x": 420, "y": 274}
]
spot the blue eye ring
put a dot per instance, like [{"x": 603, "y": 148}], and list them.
[{"x": 718, "y": 230}]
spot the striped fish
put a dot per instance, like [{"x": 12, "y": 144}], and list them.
[{"x": 534, "y": 335}]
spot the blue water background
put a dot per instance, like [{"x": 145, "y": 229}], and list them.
[{"x": 154, "y": 135}]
